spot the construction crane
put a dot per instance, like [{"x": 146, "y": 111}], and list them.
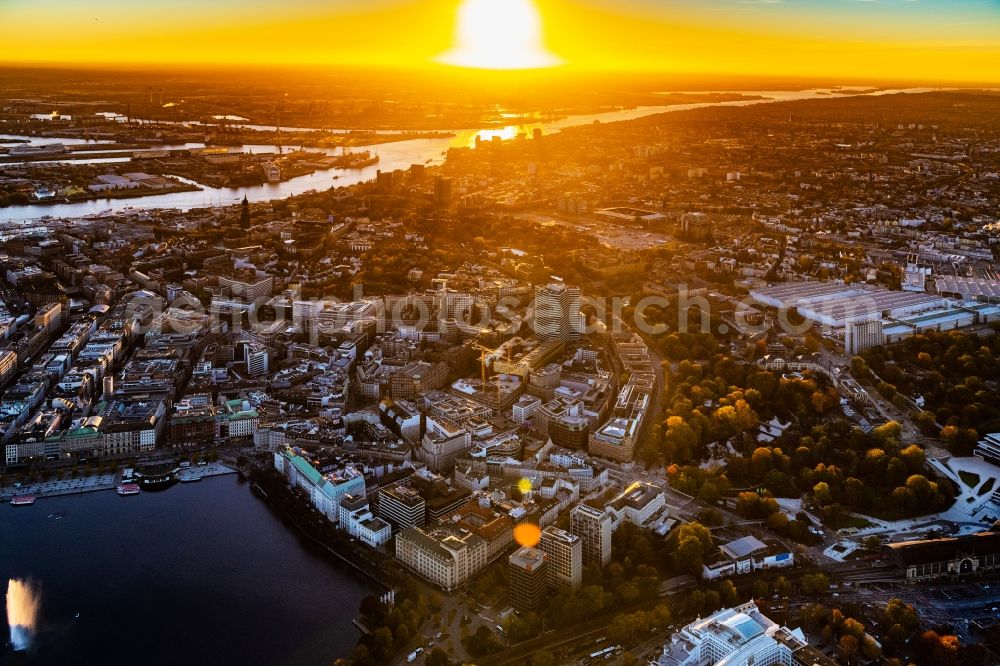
[{"x": 484, "y": 353}]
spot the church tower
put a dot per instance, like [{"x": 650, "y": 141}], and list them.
[{"x": 245, "y": 214}]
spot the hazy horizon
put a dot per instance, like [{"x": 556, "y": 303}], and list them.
[{"x": 946, "y": 42}]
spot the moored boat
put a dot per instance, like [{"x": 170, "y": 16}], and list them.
[
  {"x": 23, "y": 500},
  {"x": 128, "y": 489},
  {"x": 156, "y": 477}
]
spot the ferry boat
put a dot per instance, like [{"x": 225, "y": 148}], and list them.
[
  {"x": 156, "y": 477},
  {"x": 128, "y": 489},
  {"x": 23, "y": 500},
  {"x": 43, "y": 149}
]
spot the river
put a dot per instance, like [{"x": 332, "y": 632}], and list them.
[
  {"x": 397, "y": 155},
  {"x": 202, "y": 573}
]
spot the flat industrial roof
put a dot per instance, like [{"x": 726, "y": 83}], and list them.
[{"x": 965, "y": 285}]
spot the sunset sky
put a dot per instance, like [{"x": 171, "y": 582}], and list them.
[{"x": 935, "y": 40}]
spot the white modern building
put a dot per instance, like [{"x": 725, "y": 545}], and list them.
[
  {"x": 746, "y": 555},
  {"x": 988, "y": 448},
  {"x": 741, "y": 636},
  {"x": 324, "y": 491},
  {"x": 524, "y": 409},
  {"x": 637, "y": 504},
  {"x": 257, "y": 359},
  {"x": 357, "y": 519}
]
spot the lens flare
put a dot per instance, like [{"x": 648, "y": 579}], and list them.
[
  {"x": 524, "y": 485},
  {"x": 499, "y": 34},
  {"x": 527, "y": 535},
  {"x": 22, "y": 612}
]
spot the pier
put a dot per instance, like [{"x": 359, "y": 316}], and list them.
[{"x": 98, "y": 482}]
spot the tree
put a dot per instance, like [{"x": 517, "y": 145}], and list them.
[
  {"x": 402, "y": 635},
  {"x": 523, "y": 627},
  {"x": 543, "y": 658},
  {"x": 699, "y": 533},
  {"x": 816, "y": 616},
  {"x": 438, "y": 657},
  {"x": 849, "y": 647},
  {"x": 710, "y": 516},
  {"x": 728, "y": 594},
  {"x": 689, "y": 556},
  {"x": 938, "y": 649},
  {"x": 383, "y": 639},
  {"x": 853, "y": 627},
  {"x": 870, "y": 648},
  {"x": 481, "y": 642},
  {"x": 361, "y": 655},
  {"x": 899, "y": 612},
  {"x": 888, "y": 432},
  {"x": 760, "y": 461},
  {"x": 822, "y": 495},
  {"x": 680, "y": 440},
  {"x": 628, "y": 593},
  {"x": 627, "y": 628},
  {"x": 914, "y": 457},
  {"x": 709, "y": 493},
  {"x": 777, "y": 522},
  {"x": 860, "y": 369},
  {"x": 815, "y": 583},
  {"x": 925, "y": 420}
]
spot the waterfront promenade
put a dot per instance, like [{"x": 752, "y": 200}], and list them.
[{"x": 92, "y": 483}]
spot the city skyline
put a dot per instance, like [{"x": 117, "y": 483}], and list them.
[{"x": 500, "y": 332}]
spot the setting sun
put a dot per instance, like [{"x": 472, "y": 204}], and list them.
[{"x": 499, "y": 34}]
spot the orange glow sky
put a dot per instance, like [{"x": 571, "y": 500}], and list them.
[{"x": 934, "y": 40}]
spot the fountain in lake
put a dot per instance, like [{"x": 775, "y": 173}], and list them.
[{"x": 22, "y": 612}]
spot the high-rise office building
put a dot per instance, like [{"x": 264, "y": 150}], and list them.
[
  {"x": 384, "y": 181},
  {"x": 402, "y": 506},
  {"x": 564, "y": 558},
  {"x": 527, "y": 579},
  {"x": 863, "y": 334},
  {"x": 442, "y": 190},
  {"x": 595, "y": 528},
  {"x": 557, "y": 312}
]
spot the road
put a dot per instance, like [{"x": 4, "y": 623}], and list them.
[{"x": 959, "y": 605}]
